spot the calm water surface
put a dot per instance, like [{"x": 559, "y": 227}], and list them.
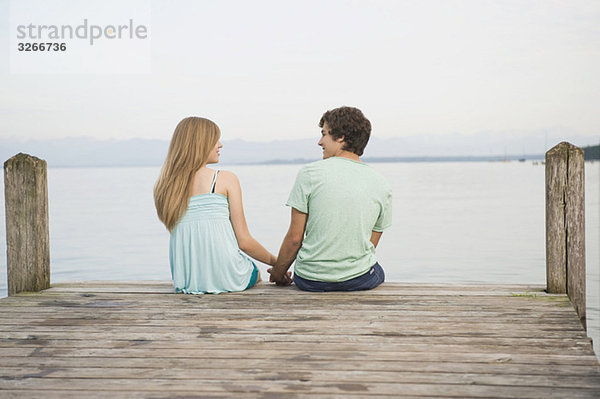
[{"x": 452, "y": 223}]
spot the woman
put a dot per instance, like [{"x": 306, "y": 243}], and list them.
[{"x": 202, "y": 209}]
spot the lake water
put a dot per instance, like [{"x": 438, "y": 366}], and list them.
[{"x": 452, "y": 223}]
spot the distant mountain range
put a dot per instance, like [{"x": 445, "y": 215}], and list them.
[{"x": 146, "y": 152}]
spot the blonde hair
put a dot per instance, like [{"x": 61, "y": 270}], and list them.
[{"x": 190, "y": 146}]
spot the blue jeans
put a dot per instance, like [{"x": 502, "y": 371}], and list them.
[{"x": 367, "y": 281}]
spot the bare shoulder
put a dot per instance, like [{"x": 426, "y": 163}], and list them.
[
  {"x": 228, "y": 179},
  {"x": 227, "y": 175}
]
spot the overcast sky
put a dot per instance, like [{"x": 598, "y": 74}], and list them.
[{"x": 266, "y": 70}]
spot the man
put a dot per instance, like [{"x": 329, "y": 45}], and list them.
[{"x": 340, "y": 207}]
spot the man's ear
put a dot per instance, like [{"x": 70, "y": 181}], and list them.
[{"x": 341, "y": 139}]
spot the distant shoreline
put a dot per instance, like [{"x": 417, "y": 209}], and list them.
[
  {"x": 424, "y": 159},
  {"x": 302, "y": 161},
  {"x": 149, "y": 153}
]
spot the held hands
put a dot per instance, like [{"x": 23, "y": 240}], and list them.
[{"x": 280, "y": 279}]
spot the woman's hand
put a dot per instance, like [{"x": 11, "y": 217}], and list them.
[{"x": 280, "y": 279}]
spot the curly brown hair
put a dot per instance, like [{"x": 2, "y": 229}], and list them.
[{"x": 351, "y": 124}]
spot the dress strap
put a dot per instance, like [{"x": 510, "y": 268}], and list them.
[{"x": 214, "y": 182}]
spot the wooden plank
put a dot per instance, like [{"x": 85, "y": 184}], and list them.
[
  {"x": 349, "y": 376},
  {"x": 389, "y": 286},
  {"x": 402, "y": 326},
  {"x": 178, "y": 339},
  {"x": 467, "y": 387},
  {"x": 155, "y": 318},
  {"x": 259, "y": 352},
  {"x": 343, "y": 302},
  {"x": 383, "y": 328},
  {"x": 356, "y": 342},
  {"x": 268, "y": 294},
  {"x": 269, "y": 289},
  {"x": 446, "y": 311},
  {"x": 139, "y": 394},
  {"x": 308, "y": 305},
  {"x": 208, "y": 343},
  {"x": 35, "y": 365}
]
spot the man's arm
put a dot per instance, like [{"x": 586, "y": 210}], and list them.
[
  {"x": 289, "y": 249},
  {"x": 375, "y": 236}
]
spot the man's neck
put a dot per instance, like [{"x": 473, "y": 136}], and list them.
[{"x": 349, "y": 155}]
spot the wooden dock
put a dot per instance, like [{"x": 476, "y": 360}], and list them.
[{"x": 139, "y": 340}]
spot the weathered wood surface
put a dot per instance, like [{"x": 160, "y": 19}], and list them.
[
  {"x": 565, "y": 224},
  {"x": 113, "y": 340},
  {"x": 27, "y": 232}
]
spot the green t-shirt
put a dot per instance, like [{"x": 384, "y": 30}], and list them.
[{"x": 345, "y": 201}]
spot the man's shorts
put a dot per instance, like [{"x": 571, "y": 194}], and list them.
[{"x": 367, "y": 281}]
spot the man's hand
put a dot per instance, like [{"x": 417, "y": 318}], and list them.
[
  {"x": 289, "y": 249},
  {"x": 280, "y": 279}
]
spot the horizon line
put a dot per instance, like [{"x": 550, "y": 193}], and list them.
[{"x": 407, "y": 159}]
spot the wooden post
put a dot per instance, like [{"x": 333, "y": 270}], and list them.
[
  {"x": 565, "y": 224},
  {"x": 27, "y": 234}
]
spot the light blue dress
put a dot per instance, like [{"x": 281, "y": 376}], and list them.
[{"x": 203, "y": 250}]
